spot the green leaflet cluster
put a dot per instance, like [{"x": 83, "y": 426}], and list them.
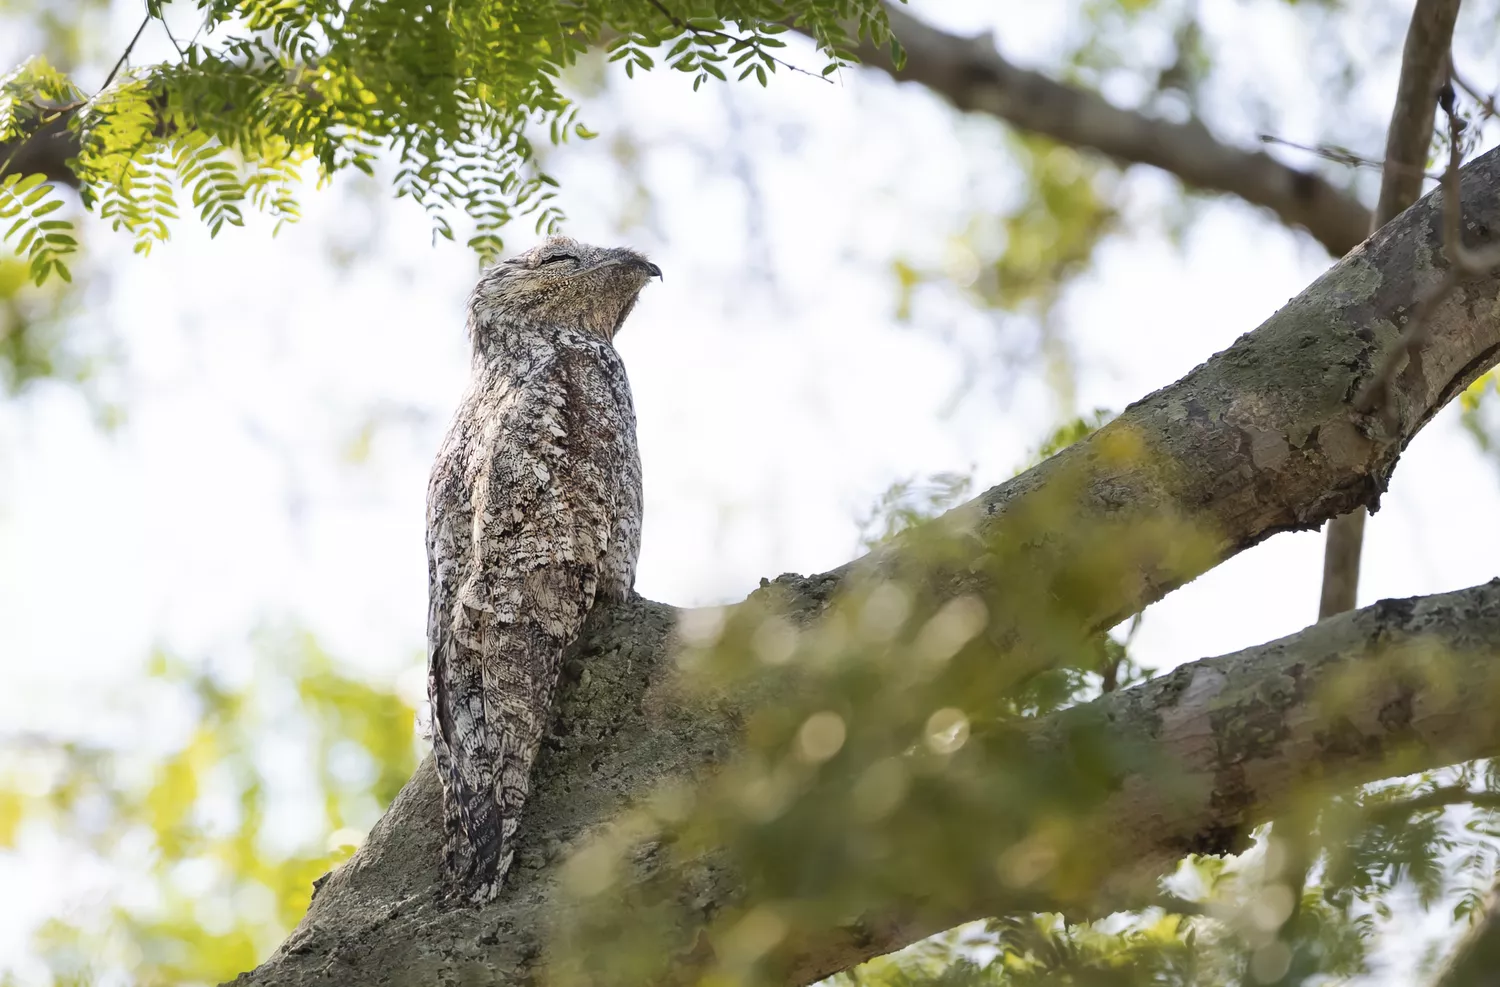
[
  {"x": 456, "y": 92},
  {"x": 25, "y": 203}
]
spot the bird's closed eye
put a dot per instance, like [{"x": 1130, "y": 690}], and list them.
[{"x": 560, "y": 257}]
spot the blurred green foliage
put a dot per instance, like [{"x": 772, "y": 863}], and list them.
[
  {"x": 33, "y": 344},
  {"x": 209, "y": 842},
  {"x": 1021, "y": 259},
  {"x": 910, "y": 501},
  {"x": 43, "y": 340},
  {"x": 889, "y": 756}
]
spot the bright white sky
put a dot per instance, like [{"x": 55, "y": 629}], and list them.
[{"x": 774, "y": 405}]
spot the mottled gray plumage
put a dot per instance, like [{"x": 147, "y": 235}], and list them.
[{"x": 533, "y": 514}]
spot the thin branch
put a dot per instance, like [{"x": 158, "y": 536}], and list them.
[
  {"x": 700, "y": 32},
  {"x": 1344, "y": 156},
  {"x": 1342, "y": 548},
  {"x": 125, "y": 55},
  {"x": 172, "y": 37},
  {"x": 1439, "y": 798},
  {"x": 1486, "y": 101}
]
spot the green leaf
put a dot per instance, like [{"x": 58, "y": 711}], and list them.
[{"x": 26, "y": 184}]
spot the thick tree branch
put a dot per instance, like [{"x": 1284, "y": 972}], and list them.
[
  {"x": 1424, "y": 66},
  {"x": 1260, "y": 439},
  {"x": 47, "y": 152},
  {"x": 1413, "y": 680},
  {"x": 972, "y": 75}
]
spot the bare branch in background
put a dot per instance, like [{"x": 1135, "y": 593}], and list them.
[
  {"x": 1424, "y": 68},
  {"x": 972, "y": 75}
]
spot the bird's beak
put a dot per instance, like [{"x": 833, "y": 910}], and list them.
[{"x": 629, "y": 258}]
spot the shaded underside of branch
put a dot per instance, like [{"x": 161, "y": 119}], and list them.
[
  {"x": 1262, "y": 438},
  {"x": 47, "y": 152},
  {"x": 972, "y": 75}
]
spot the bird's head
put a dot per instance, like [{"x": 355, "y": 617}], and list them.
[{"x": 563, "y": 283}]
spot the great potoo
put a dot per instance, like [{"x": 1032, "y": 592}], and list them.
[{"x": 533, "y": 514}]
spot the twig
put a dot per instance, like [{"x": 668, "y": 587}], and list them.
[
  {"x": 202, "y": 26},
  {"x": 1111, "y": 674},
  {"x": 1486, "y": 103},
  {"x": 1438, "y": 798},
  {"x": 125, "y": 55},
  {"x": 699, "y": 32},
  {"x": 1461, "y": 262},
  {"x": 172, "y": 37},
  {"x": 55, "y": 112},
  {"x": 58, "y": 111},
  {"x": 1344, "y": 156}
]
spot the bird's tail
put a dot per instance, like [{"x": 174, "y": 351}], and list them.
[
  {"x": 490, "y": 710},
  {"x": 465, "y": 762}
]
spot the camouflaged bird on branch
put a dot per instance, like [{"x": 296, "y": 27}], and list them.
[{"x": 533, "y": 515}]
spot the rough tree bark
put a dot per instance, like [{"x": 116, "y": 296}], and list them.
[{"x": 1259, "y": 439}]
